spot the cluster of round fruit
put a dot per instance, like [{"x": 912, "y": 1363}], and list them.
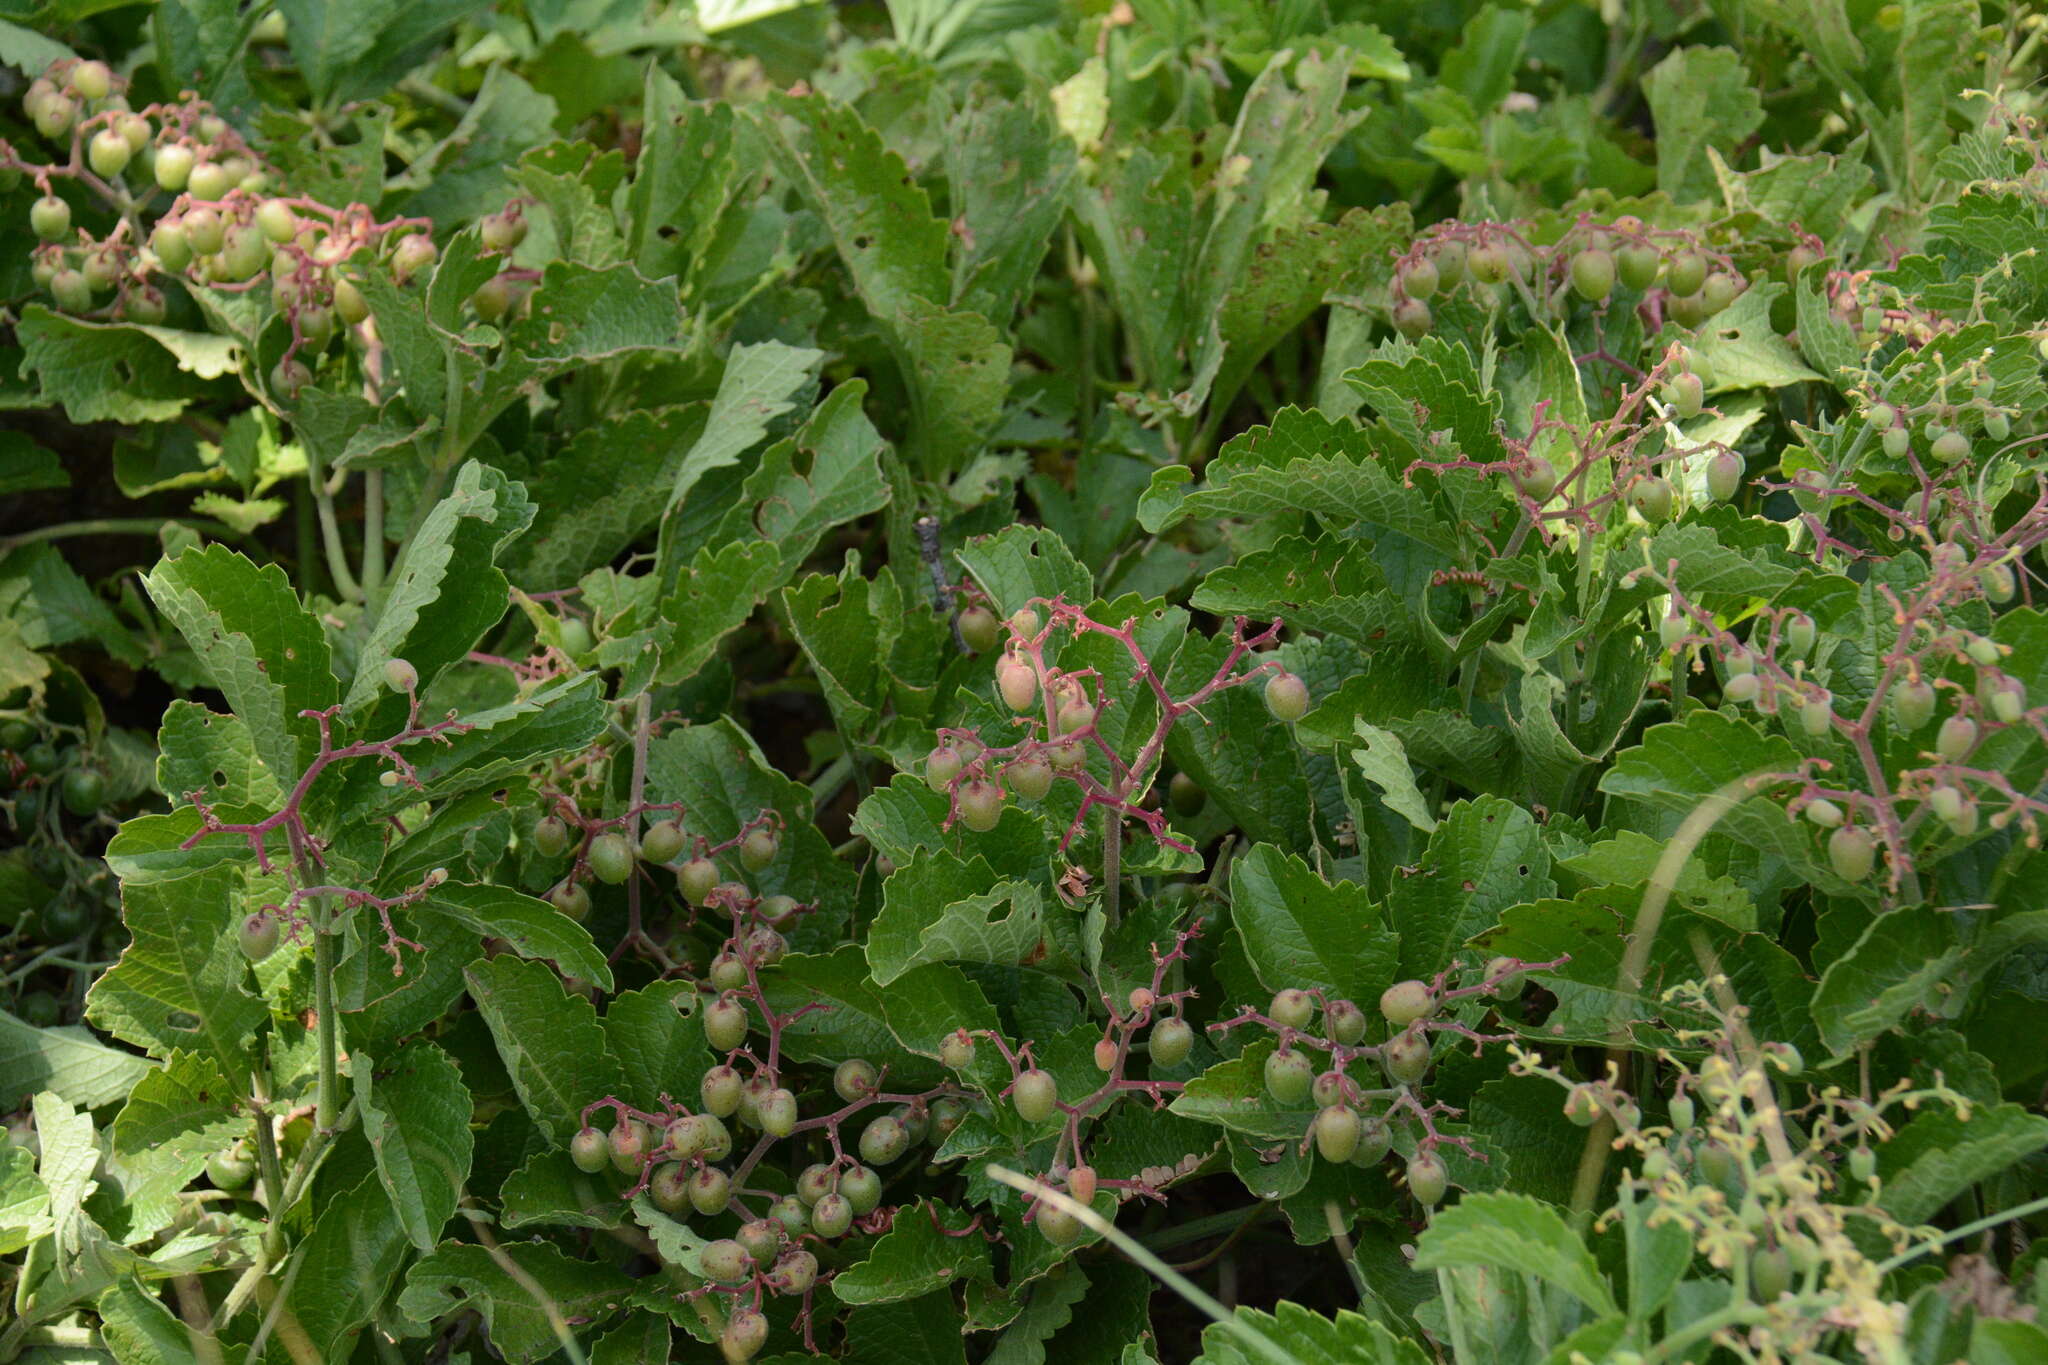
[
  {"x": 1768, "y": 673},
  {"x": 222, "y": 229},
  {"x": 978, "y": 779},
  {"x": 31, "y": 765},
  {"x": 1346, "y": 1128},
  {"x": 613, "y": 856},
  {"x": 1586, "y": 263},
  {"x": 674, "y": 1157},
  {"x": 1941, "y": 422}
]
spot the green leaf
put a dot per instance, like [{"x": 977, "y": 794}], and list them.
[
  {"x": 506, "y": 117},
  {"x": 1301, "y": 931},
  {"x": 915, "y": 1257},
  {"x": 827, "y": 475},
  {"x": 920, "y": 1332},
  {"x": 683, "y": 180},
  {"x": 924, "y": 919},
  {"x": 1294, "y": 1333},
  {"x": 136, "y": 1325},
  {"x": 954, "y": 364},
  {"x": 716, "y": 594},
  {"x": 1232, "y": 1095},
  {"x": 445, "y": 591},
  {"x": 24, "y": 1202},
  {"x": 1384, "y": 763},
  {"x": 264, "y": 651},
  {"x": 26, "y": 467},
  {"x": 522, "y": 1315},
  {"x": 658, "y": 1037},
  {"x": 51, "y": 605},
  {"x": 504, "y": 741},
  {"x": 1941, "y": 1153},
  {"x": 847, "y": 626},
  {"x": 1699, "y": 97},
  {"x": 68, "y": 1062},
  {"x": 416, "y": 1117},
  {"x": 549, "y": 1191},
  {"x": 1050, "y": 1308},
  {"x": 1485, "y": 856},
  {"x": 1012, "y": 177},
  {"x": 177, "y": 1116},
  {"x": 107, "y": 372},
  {"x": 1140, "y": 223},
  {"x": 761, "y": 383},
  {"x": 723, "y": 781},
  {"x": 1305, "y": 462},
  {"x": 1743, "y": 348},
  {"x": 1594, "y": 930},
  {"x": 345, "y": 56},
  {"x": 533, "y": 927},
  {"x": 606, "y": 486},
  {"x": 1679, "y": 765},
  {"x": 1514, "y": 1232},
  {"x": 855, "y": 1022},
  {"x": 1021, "y": 562},
  {"x": 180, "y": 985},
  {"x": 1246, "y": 761},
  {"x": 549, "y": 1040}
]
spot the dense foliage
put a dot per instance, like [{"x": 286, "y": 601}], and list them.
[{"x": 1020, "y": 680}]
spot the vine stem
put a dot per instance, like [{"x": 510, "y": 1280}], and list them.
[{"x": 327, "y": 1027}]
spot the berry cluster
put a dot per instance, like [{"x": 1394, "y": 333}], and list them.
[
  {"x": 185, "y": 198},
  {"x": 1059, "y": 709},
  {"x": 1669, "y": 271},
  {"x": 1354, "y": 1120}
]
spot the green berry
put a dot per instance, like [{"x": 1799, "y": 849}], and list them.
[
  {"x": 1912, "y": 704},
  {"x": 1337, "y": 1132},
  {"x": 1419, "y": 280},
  {"x": 1406, "y": 1056},
  {"x": 1593, "y": 273},
  {"x": 611, "y": 858},
  {"x": 1294, "y": 1009},
  {"x": 1852, "y": 852},
  {"x": 725, "y": 1025},
  {"x": 550, "y": 836},
  {"x": 1956, "y": 738},
  {"x": 1724, "y": 475},
  {"x": 854, "y": 1078},
  {"x": 721, "y": 1087},
  {"x": 1406, "y": 1001},
  {"x": 661, "y": 842},
  {"x": 258, "y": 936},
  {"x": 1171, "y": 1041},
  {"x": 1030, "y": 778},
  {"x": 1286, "y": 697},
  {"x": 108, "y": 153},
  {"x": 710, "y": 1190},
  {"x": 50, "y": 218},
  {"x": 1636, "y": 266},
  {"x": 759, "y": 847},
  {"x": 1289, "y": 1077},
  {"x": 981, "y": 805},
  {"x": 883, "y": 1141},
  {"x": 956, "y": 1050},
  {"x": 1686, "y": 274},
  {"x": 1016, "y": 682},
  {"x": 1412, "y": 318},
  {"x": 979, "y": 629},
  {"x": 831, "y": 1216},
  {"x": 1428, "y": 1179},
  {"x": 1345, "y": 1021},
  {"x": 695, "y": 880},
  {"x": 1036, "y": 1096}
]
